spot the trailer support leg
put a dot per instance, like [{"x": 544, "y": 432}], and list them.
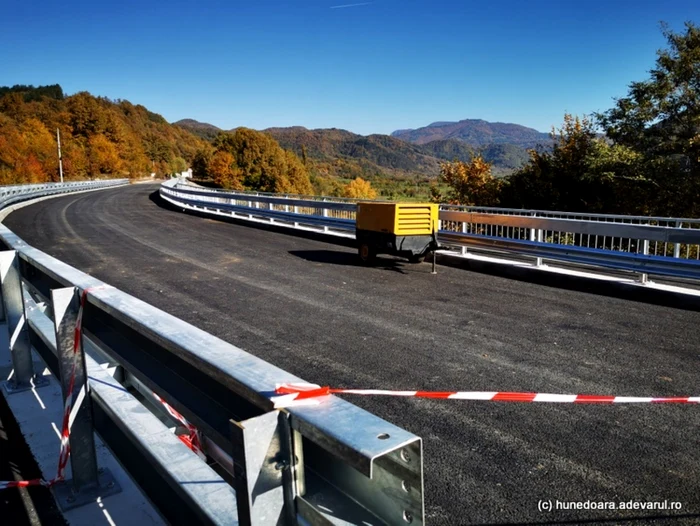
[{"x": 435, "y": 249}]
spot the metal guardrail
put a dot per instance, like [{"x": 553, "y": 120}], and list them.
[
  {"x": 332, "y": 463},
  {"x": 646, "y": 245},
  {"x": 614, "y": 232},
  {"x": 13, "y": 194},
  {"x": 308, "y": 209}
]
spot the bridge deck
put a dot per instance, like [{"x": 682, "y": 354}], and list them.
[{"x": 306, "y": 306}]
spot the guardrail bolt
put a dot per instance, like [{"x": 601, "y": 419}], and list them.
[{"x": 282, "y": 465}]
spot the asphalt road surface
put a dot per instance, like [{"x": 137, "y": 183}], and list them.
[{"x": 306, "y": 306}]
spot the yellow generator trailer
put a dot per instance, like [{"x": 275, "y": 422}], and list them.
[{"x": 402, "y": 229}]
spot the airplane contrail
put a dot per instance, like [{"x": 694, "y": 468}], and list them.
[{"x": 349, "y": 5}]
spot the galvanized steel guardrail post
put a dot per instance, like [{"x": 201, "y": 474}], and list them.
[
  {"x": 265, "y": 463},
  {"x": 88, "y": 482},
  {"x": 535, "y": 235},
  {"x": 643, "y": 276},
  {"x": 24, "y": 376}
]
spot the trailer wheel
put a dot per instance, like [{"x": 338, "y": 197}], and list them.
[
  {"x": 367, "y": 253},
  {"x": 417, "y": 258}
]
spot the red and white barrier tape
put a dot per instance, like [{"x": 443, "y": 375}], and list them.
[
  {"x": 68, "y": 414},
  {"x": 191, "y": 440},
  {"x": 24, "y": 483},
  {"x": 307, "y": 394}
]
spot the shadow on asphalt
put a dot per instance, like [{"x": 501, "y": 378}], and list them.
[
  {"x": 525, "y": 274},
  {"x": 333, "y": 257}
]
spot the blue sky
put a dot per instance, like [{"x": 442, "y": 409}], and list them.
[{"x": 371, "y": 68}]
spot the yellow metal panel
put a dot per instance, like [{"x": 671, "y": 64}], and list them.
[
  {"x": 401, "y": 219},
  {"x": 415, "y": 219},
  {"x": 376, "y": 217}
]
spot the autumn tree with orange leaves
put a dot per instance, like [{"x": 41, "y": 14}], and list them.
[
  {"x": 98, "y": 137},
  {"x": 222, "y": 168},
  {"x": 252, "y": 160},
  {"x": 470, "y": 183}
]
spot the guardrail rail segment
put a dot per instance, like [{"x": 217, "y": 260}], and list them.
[
  {"x": 644, "y": 245},
  {"x": 332, "y": 463},
  {"x": 15, "y": 193}
]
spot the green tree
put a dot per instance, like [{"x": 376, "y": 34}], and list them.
[
  {"x": 31, "y": 93},
  {"x": 660, "y": 119},
  {"x": 200, "y": 163},
  {"x": 582, "y": 173},
  {"x": 178, "y": 165}
]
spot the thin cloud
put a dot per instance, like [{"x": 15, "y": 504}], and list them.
[{"x": 349, "y": 5}]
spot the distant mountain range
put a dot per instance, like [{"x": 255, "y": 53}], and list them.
[
  {"x": 417, "y": 151},
  {"x": 476, "y": 132}
]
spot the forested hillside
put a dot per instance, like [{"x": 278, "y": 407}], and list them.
[
  {"x": 334, "y": 158},
  {"x": 98, "y": 137},
  {"x": 246, "y": 159},
  {"x": 200, "y": 129},
  {"x": 374, "y": 153},
  {"x": 646, "y": 162},
  {"x": 504, "y": 157},
  {"x": 352, "y": 154}
]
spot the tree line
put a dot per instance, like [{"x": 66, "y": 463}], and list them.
[
  {"x": 248, "y": 159},
  {"x": 641, "y": 157},
  {"x": 245, "y": 159},
  {"x": 116, "y": 138},
  {"x": 98, "y": 137}
]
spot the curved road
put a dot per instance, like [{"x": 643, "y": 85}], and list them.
[{"x": 305, "y": 306}]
